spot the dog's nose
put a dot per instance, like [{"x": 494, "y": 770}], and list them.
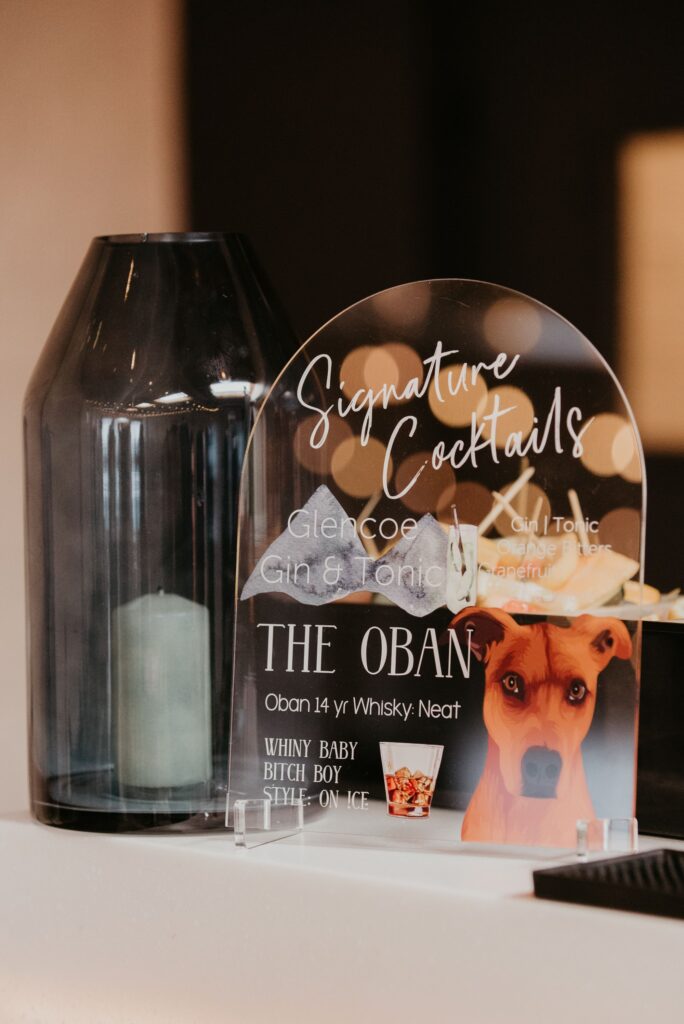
[{"x": 541, "y": 769}]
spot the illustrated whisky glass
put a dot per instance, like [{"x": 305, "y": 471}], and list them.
[{"x": 410, "y": 772}]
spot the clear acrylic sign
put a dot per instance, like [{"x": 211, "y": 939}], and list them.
[{"x": 440, "y": 558}]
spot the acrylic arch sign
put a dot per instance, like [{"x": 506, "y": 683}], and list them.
[{"x": 440, "y": 551}]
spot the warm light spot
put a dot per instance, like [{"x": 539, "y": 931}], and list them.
[
  {"x": 531, "y": 501},
  {"x": 473, "y": 502},
  {"x": 621, "y": 528},
  {"x": 633, "y": 472},
  {"x": 357, "y": 468},
  {"x": 456, "y": 410},
  {"x": 512, "y": 325},
  {"x": 380, "y": 369},
  {"x": 431, "y": 486},
  {"x": 609, "y": 445},
  {"x": 651, "y": 251},
  {"x": 520, "y": 418},
  {"x": 318, "y": 460},
  {"x": 352, "y": 371},
  {"x": 389, "y": 366},
  {"x": 409, "y": 362},
  {"x": 626, "y": 454},
  {"x": 403, "y": 307}
]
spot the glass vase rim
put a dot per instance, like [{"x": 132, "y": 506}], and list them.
[{"x": 168, "y": 237}]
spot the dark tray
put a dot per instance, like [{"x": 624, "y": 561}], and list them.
[{"x": 649, "y": 883}]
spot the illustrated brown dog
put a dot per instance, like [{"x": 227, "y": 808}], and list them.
[{"x": 539, "y": 701}]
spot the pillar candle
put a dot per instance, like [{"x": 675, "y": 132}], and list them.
[{"x": 163, "y": 691}]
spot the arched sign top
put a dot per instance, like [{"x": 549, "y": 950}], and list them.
[{"x": 452, "y": 401}]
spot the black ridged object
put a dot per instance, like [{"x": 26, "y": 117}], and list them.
[{"x": 648, "y": 883}]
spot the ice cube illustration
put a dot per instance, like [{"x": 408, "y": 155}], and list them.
[
  {"x": 413, "y": 573},
  {"x": 310, "y": 568}
]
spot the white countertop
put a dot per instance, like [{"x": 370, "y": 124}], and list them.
[{"x": 98, "y": 929}]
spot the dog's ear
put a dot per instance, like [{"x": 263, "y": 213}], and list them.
[
  {"x": 484, "y": 627},
  {"x": 608, "y": 638}
]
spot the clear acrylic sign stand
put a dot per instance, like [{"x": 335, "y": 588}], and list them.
[
  {"x": 439, "y": 580},
  {"x": 262, "y": 821}
]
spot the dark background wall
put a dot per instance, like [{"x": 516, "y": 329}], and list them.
[{"x": 361, "y": 145}]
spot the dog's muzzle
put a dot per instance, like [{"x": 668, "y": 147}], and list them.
[{"x": 541, "y": 770}]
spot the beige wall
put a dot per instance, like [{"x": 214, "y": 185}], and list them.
[
  {"x": 652, "y": 283},
  {"x": 90, "y": 143}
]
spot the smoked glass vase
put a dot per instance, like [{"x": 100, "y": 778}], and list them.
[{"x": 136, "y": 422}]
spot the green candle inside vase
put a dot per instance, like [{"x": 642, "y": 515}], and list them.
[{"x": 162, "y": 683}]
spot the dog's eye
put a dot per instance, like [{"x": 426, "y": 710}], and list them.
[
  {"x": 577, "y": 691},
  {"x": 513, "y": 686}
]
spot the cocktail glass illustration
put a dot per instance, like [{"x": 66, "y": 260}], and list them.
[{"x": 410, "y": 771}]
